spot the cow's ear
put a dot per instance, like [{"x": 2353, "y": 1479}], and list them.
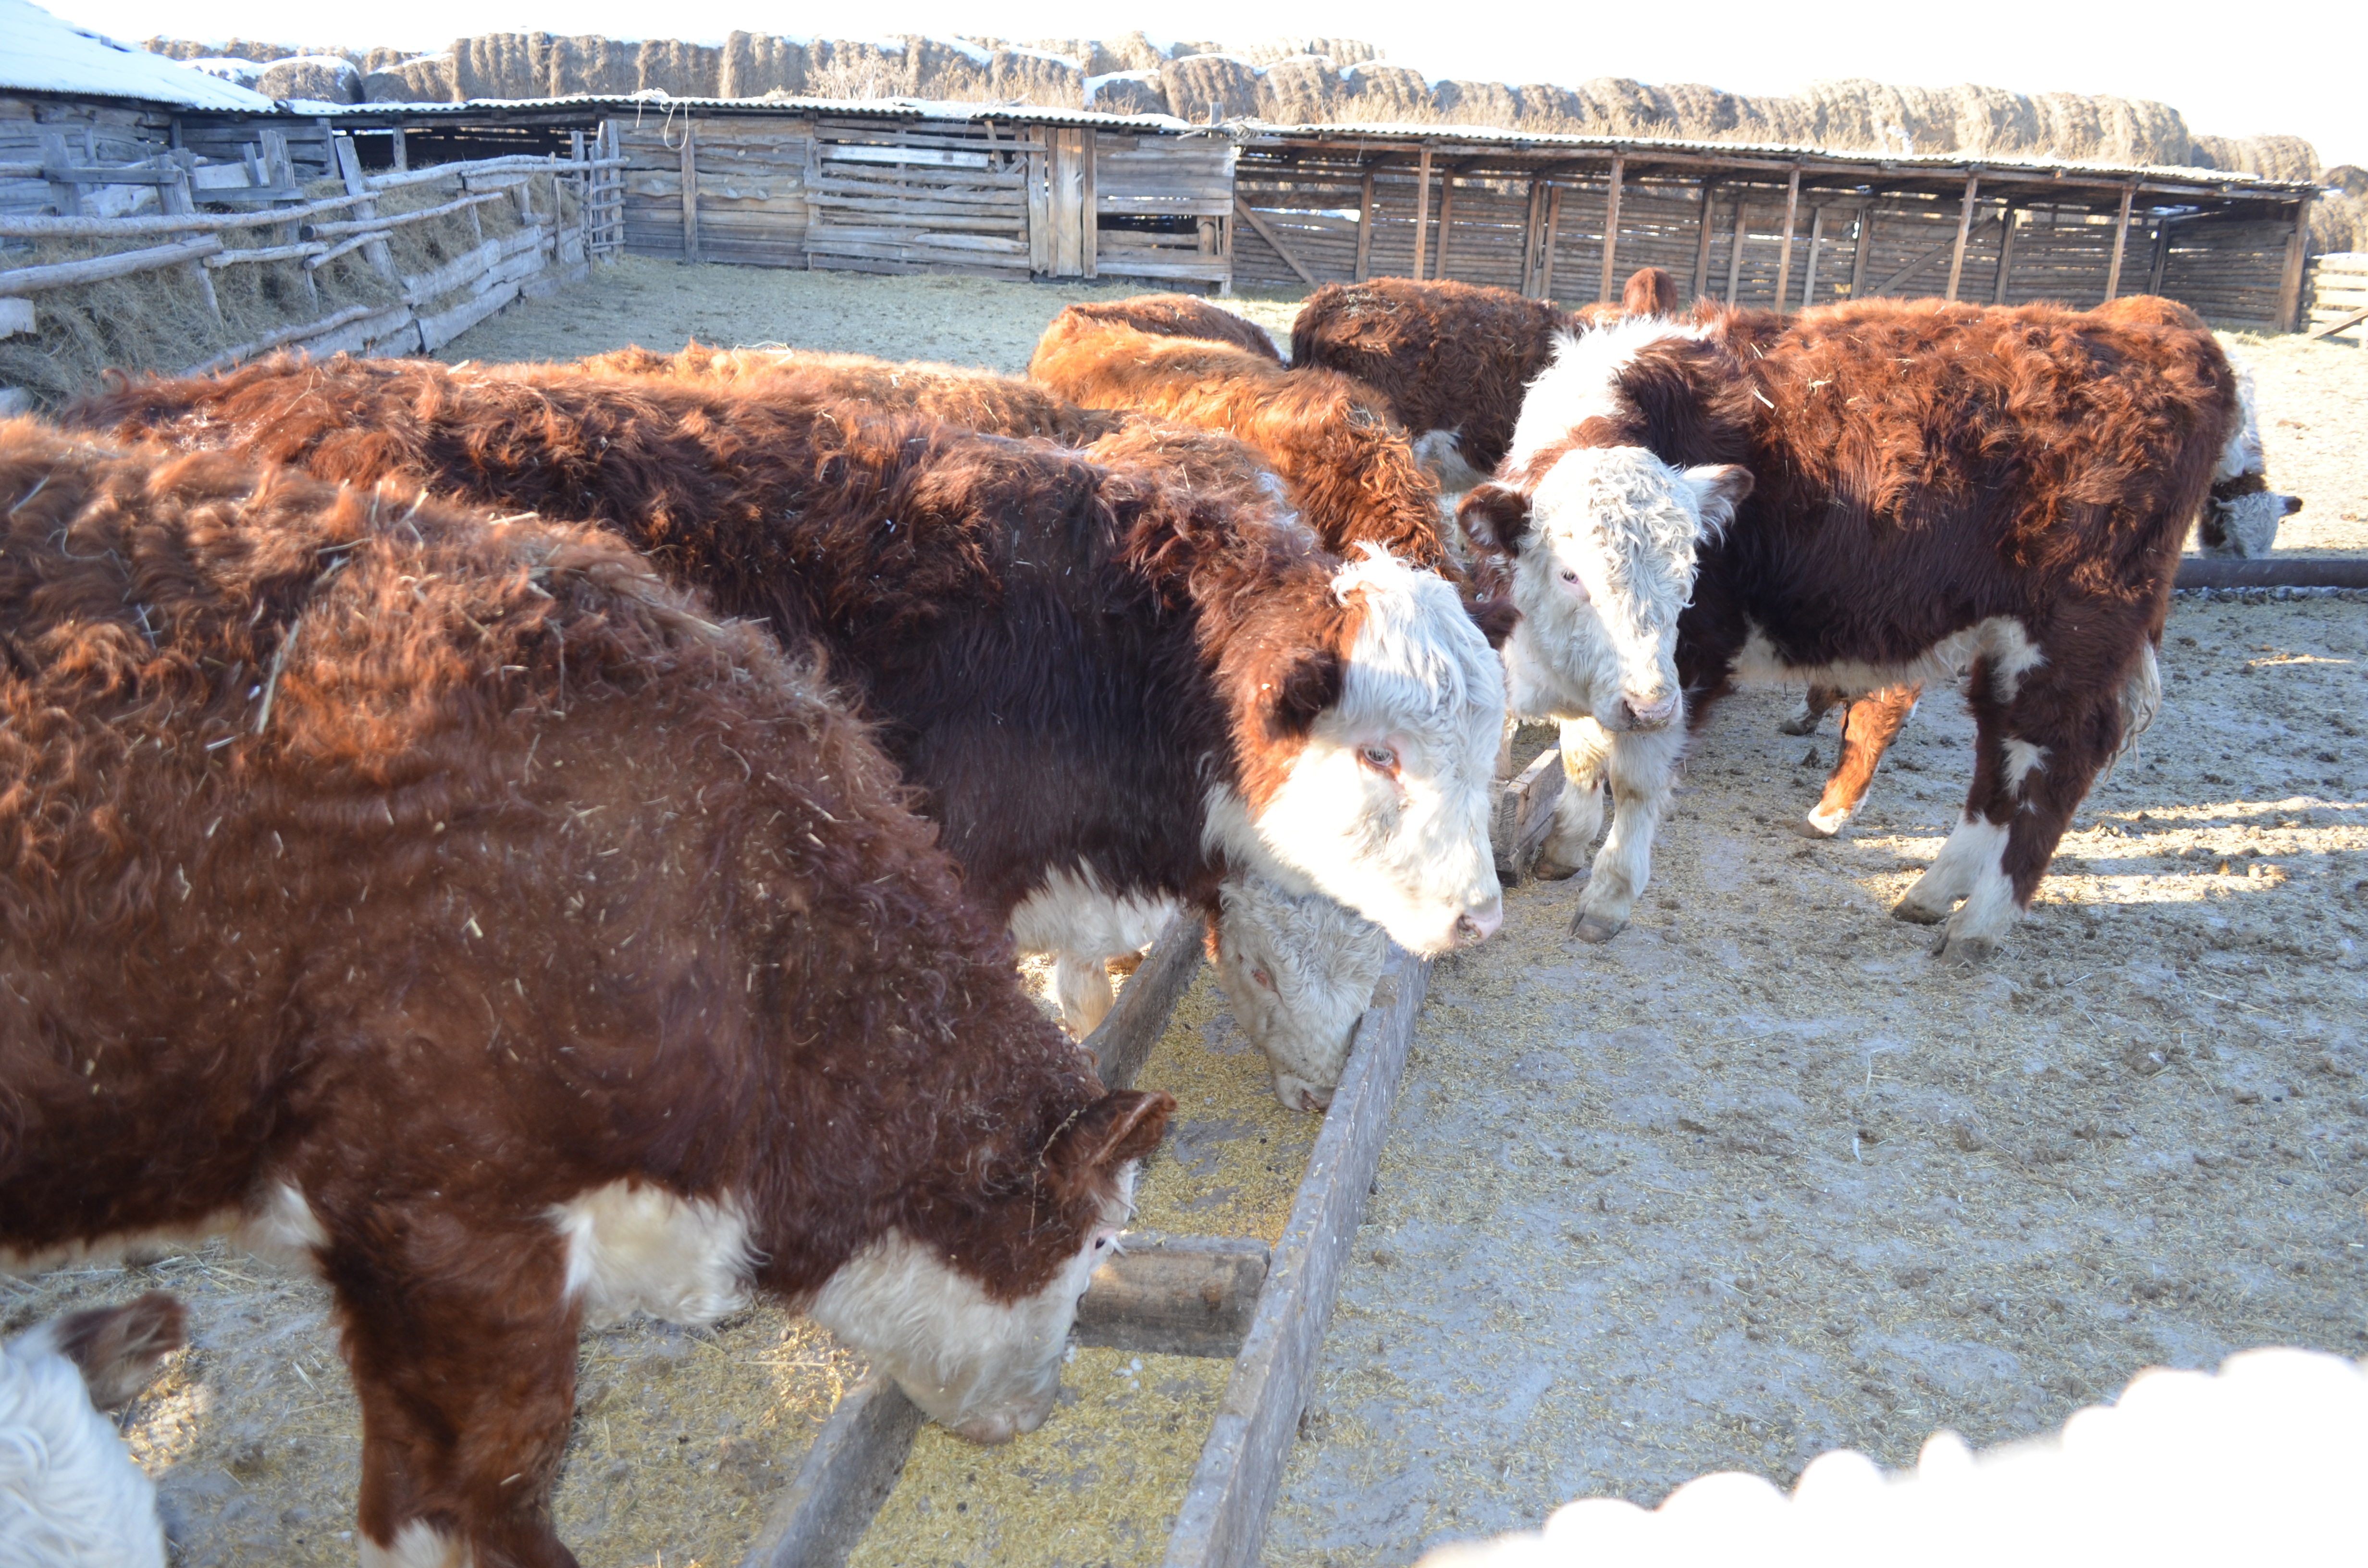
[
  {"x": 1494, "y": 517},
  {"x": 1308, "y": 682},
  {"x": 1125, "y": 1124},
  {"x": 1719, "y": 489},
  {"x": 1495, "y": 617}
]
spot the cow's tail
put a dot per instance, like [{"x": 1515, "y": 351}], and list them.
[{"x": 2141, "y": 700}]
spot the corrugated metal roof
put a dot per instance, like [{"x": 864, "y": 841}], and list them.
[
  {"x": 40, "y": 53},
  {"x": 1254, "y": 132},
  {"x": 858, "y": 108},
  {"x": 1905, "y": 162}
]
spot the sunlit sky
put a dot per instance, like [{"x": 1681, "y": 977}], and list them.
[{"x": 2283, "y": 66}]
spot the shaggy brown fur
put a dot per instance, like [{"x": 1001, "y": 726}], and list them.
[
  {"x": 446, "y": 869},
  {"x": 1348, "y": 466},
  {"x": 1066, "y": 657},
  {"x": 974, "y": 400},
  {"x": 1453, "y": 356},
  {"x": 1921, "y": 467},
  {"x": 1225, "y": 470},
  {"x": 1182, "y": 315}
]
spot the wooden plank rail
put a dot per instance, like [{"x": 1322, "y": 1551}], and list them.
[
  {"x": 98, "y": 268},
  {"x": 2273, "y": 572},
  {"x": 1249, "y": 215},
  {"x": 1167, "y": 1295}
]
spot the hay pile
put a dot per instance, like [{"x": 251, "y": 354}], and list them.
[
  {"x": 1301, "y": 80},
  {"x": 158, "y": 321}
]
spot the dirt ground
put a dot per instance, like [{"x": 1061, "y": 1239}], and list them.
[{"x": 1755, "y": 1180}]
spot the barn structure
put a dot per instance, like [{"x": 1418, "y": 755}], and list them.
[{"x": 905, "y": 186}]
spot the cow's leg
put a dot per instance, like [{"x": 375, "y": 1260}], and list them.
[
  {"x": 1081, "y": 985},
  {"x": 1814, "y": 705},
  {"x": 1643, "y": 767},
  {"x": 461, "y": 1341},
  {"x": 2039, "y": 742},
  {"x": 1578, "y": 811},
  {"x": 1869, "y": 726}
]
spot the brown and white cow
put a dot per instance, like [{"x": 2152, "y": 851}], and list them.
[
  {"x": 1345, "y": 463},
  {"x": 1452, "y": 361},
  {"x": 1298, "y": 969},
  {"x": 1927, "y": 485},
  {"x": 448, "y": 904},
  {"x": 1112, "y": 692},
  {"x": 2240, "y": 518}
]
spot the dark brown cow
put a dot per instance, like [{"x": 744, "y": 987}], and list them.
[
  {"x": 459, "y": 910},
  {"x": 1929, "y": 484},
  {"x": 1347, "y": 465},
  {"x": 1111, "y": 690},
  {"x": 2240, "y": 518},
  {"x": 1450, "y": 359}
]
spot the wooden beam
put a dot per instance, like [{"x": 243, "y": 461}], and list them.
[
  {"x": 1223, "y": 1517},
  {"x": 2275, "y": 572},
  {"x": 1734, "y": 251},
  {"x": 2289, "y": 317},
  {"x": 2332, "y": 328},
  {"x": 1554, "y": 227},
  {"x": 2013, "y": 222},
  {"x": 1365, "y": 229},
  {"x": 1248, "y": 214},
  {"x": 1965, "y": 231},
  {"x": 1611, "y": 230},
  {"x": 349, "y": 168},
  {"x": 98, "y": 268},
  {"x": 690, "y": 187},
  {"x": 1422, "y": 210},
  {"x": 1446, "y": 220},
  {"x": 2121, "y": 244},
  {"x": 849, "y": 1473},
  {"x": 1089, "y": 239},
  {"x": 1784, "y": 255},
  {"x": 1809, "y": 273},
  {"x": 1175, "y": 1295},
  {"x": 403, "y": 150},
  {"x": 1529, "y": 274},
  {"x": 1702, "y": 240},
  {"x": 2161, "y": 256},
  {"x": 1522, "y": 812},
  {"x": 1865, "y": 243}
]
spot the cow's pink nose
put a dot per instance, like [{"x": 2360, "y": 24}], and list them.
[
  {"x": 1652, "y": 714},
  {"x": 1476, "y": 925}
]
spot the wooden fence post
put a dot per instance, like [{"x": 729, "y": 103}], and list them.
[
  {"x": 350, "y": 169},
  {"x": 1964, "y": 227},
  {"x": 690, "y": 189},
  {"x": 2161, "y": 256},
  {"x": 2121, "y": 244},
  {"x": 1865, "y": 244},
  {"x": 1365, "y": 229},
  {"x": 1734, "y": 251},
  {"x": 1529, "y": 239},
  {"x": 1554, "y": 228},
  {"x": 2290, "y": 283},
  {"x": 1784, "y": 256},
  {"x": 1701, "y": 238},
  {"x": 1809, "y": 273},
  {"x": 1611, "y": 229},
  {"x": 1422, "y": 210},
  {"x": 2005, "y": 254},
  {"x": 1446, "y": 218}
]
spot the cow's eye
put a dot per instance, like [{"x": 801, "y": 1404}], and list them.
[
  {"x": 1381, "y": 759},
  {"x": 1263, "y": 978}
]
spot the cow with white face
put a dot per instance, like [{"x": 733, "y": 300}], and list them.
[
  {"x": 1862, "y": 496},
  {"x": 1299, "y": 971},
  {"x": 1603, "y": 538}
]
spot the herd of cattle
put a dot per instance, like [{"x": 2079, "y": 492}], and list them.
[{"x": 537, "y": 843}]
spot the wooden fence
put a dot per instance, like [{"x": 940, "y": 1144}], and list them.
[
  {"x": 983, "y": 197},
  {"x": 2339, "y": 298},
  {"x": 1316, "y": 216},
  {"x": 431, "y": 307}
]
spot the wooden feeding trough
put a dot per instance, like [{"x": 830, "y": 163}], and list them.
[{"x": 1264, "y": 1307}]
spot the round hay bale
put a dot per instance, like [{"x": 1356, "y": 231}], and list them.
[
  {"x": 1197, "y": 82},
  {"x": 1126, "y": 92},
  {"x": 422, "y": 79},
  {"x": 324, "y": 78}
]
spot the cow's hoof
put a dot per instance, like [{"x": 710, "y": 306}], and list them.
[
  {"x": 1807, "y": 828},
  {"x": 1916, "y": 913},
  {"x": 1963, "y": 949},
  {"x": 1595, "y": 928},
  {"x": 1546, "y": 868},
  {"x": 1800, "y": 724}
]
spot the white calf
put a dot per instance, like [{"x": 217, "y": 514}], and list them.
[{"x": 70, "y": 1495}]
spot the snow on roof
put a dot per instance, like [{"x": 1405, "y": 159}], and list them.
[{"x": 39, "y": 54}]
